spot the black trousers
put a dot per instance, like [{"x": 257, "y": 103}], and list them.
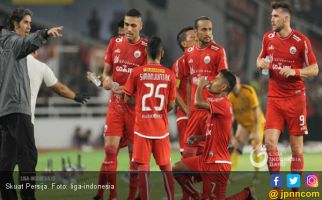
[{"x": 17, "y": 146}]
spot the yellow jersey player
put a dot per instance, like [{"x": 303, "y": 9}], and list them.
[{"x": 250, "y": 123}]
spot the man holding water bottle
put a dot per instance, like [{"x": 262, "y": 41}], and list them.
[
  {"x": 291, "y": 58},
  {"x": 122, "y": 55}
]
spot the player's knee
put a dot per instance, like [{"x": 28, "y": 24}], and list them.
[
  {"x": 166, "y": 168},
  {"x": 270, "y": 143},
  {"x": 110, "y": 151}
]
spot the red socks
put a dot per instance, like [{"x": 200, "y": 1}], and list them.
[
  {"x": 168, "y": 180},
  {"x": 273, "y": 161},
  {"x": 186, "y": 184},
  {"x": 134, "y": 180},
  {"x": 107, "y": 172},
  {"x": 297, "y": 165}
]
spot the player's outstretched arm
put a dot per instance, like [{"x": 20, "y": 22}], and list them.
[
  {"x": 199, "y": 101},
  {"x": 65, "y": 91}
]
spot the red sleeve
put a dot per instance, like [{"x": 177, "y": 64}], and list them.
[
  {"x": 129, "y": 85},
  {"x": 218, "y": 107},
  {"x": 222, "y": 60},
  {"x": 175, "y": 69},
  {"x": 308, "y": 53},
  {"x": 172, "y": 94},
  {"x": 263, "y": 52},
  {"x": 109, "y": 51}
]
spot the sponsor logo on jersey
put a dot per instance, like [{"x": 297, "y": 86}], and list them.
[
  {"x": 137, "y": 53},
  {"x": 123, "y": 68},
  {"x": 207, "y": 59},
  {"x": 208, "y": 132},
  {"x": 271, "y": 47},
  {"x": 292, "y": 50},
  {"x": 156, "y": 70},
  {"x": 214, "y": 47},
  {"x": 116, "y": 59},
  {"x": 117, "y": 51}
]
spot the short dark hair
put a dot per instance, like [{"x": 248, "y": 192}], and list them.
[
  {"x": 200, "y": 19},
  {"x": 133, "y": 13},
  {"x": 154, "y": 47},
  {"x": 284, "y": 5},
  {"x": 182, "y": 35},
  {"x": 16, "y": 16},
  {"x": 230, "y": 78},
  {"x": 120, "y": 24}
]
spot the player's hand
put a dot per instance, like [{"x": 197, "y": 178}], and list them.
[
  {"x": 263, "y": 64},
  {"x": 118, "y": 90},
  {"x": 107, "y": 83},
  {"x": 203, "y": 82},
  {"x": 287, "y": 71},
  {"x": 55, "y": 32},
  {"x": 81, "y": 98}
]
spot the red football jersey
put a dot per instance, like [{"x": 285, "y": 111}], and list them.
[
  {"x": 124, "y": 56},
  {"x": 206, "y": 62},
  {"x": 179, "y": 68},
  {"x": 294, "y": 51},
  {"x": 218, "y": 131},
  {"x": 153, "y": 87}
]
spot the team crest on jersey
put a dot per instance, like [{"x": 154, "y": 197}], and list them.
[
  {"x": 292, "y": 50},
  {"x": 137, "y": 53},
  {"x": 117, "y": 51},
  {"x": 271, "y": 47},
  {"x": 116, "y": 59},
  {"x": 207, "y": 59},
  {"x": 271, "y": 35}
]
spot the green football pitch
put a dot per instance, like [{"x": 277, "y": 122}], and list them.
[
  {"x": 73, "y": 187},
  {"x": 93, "y": 159}
]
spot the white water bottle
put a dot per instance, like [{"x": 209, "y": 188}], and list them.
[
  {"x": 266, "y": 70},
  {"x": 95, "y": 80}
]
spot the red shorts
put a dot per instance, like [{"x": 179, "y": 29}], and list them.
[
  {"x": 143, "y": 147},
  {"x": 214, "y": 176},
  {"x": 119, "y": 121},
  {"x": 287, "y": 111},
  {"x": 182, "y": 127}
]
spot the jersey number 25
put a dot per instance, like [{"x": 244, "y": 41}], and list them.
[{"x": 153, "y": 93}]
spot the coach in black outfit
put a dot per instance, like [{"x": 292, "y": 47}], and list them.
[{"x": 17, "y": 142}]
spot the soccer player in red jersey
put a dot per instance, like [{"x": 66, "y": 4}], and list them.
[
  {"x": 123, "y": 54},
  {"x": 214, "y": 164},
  {"x": 291, "y": 60},
  {"x": 186, "y": 38},
  {"x": 204, "y": 59},
  {"x": 154, "y": 90}
]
